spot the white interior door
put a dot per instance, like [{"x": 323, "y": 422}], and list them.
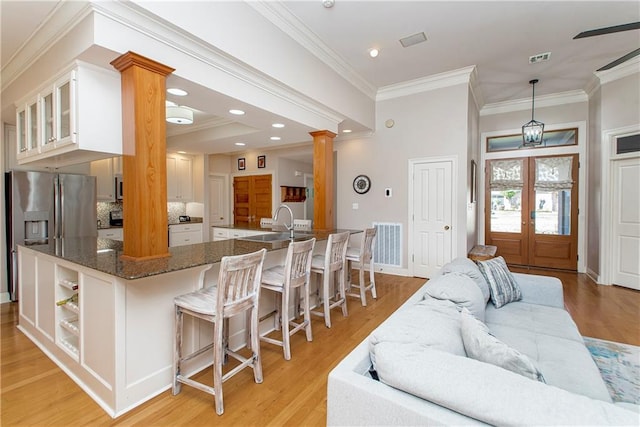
[
  {"x": 218, "y": 200},
  {"x": 431, "y": 216},
  {"x": 626, "y": 223}
]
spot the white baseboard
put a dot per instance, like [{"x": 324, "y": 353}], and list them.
[
  {"x": 396, "y": 271},
  {"x": 594, "y": 276},
  {"x": 5, "y": 297}
]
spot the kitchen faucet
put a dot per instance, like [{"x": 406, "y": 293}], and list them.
[{"x": 288, "y": 227}]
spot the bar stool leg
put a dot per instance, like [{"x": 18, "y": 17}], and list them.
[{"x": 177, "y": 351}]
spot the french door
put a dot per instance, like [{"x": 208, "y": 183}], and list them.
[{"x": 532, "y": 210}]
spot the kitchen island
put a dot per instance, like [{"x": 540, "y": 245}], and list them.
[{"x": 108, "y": 322}]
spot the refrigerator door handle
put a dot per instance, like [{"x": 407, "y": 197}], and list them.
[
  {"x": 57, "y": 207},
  {"x": 61, "y": 210}
]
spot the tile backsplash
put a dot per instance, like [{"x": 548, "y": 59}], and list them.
[{"x": 174, "y": 210}]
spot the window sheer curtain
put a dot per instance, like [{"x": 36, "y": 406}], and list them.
[
  {"x": 553, "y": 174},
  {"x": 506, "y": 175}
]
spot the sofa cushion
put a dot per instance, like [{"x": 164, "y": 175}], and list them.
[
  {"x": 503, "y": 286},
  {"x": 487, "y": 393},
  {"x": 565, "y": 363},
  {"x": 481, "y": 345},
  {"x": 533, "y": 317},
  {"x": 431, "y": 322},
  {"x": 460, "y": 289},
  {"x": 469, "y": 268}
]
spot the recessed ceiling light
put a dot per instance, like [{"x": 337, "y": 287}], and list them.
[
  {"x": 275, "y": 138},
  {"x": 373, "y": 52},
  {"x": 277, "y": 125},
  {"x": 168, "y": 103},
  {"x": 237, "y": 112},
  {"x": 182, "y": 152},
  {"x": 240, "y": 144},
  {"x": 177, "y": 92},
  {"x": 346, "y": 131}
]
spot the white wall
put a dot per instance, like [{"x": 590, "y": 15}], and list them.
[
  {"x": 619, "y": 107},
  {"x": 427, "y": 124},
  {"x": 594, "y": 194}
]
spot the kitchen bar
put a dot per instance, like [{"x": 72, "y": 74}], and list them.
[{"x": 115, "y": 338}]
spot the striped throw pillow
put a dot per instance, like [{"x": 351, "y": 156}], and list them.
[{"x": 503, "y": 286}]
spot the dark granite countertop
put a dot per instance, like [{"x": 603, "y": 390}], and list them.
[{"x": 104, "y": 255}]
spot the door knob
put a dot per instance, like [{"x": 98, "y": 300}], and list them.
[{"x": 446, "y": 227}]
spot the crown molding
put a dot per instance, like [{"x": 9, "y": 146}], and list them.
[
  {"x": 425, "y": 84},
  {"x": 592, "y": 86},
  {"x": 149, "y": 25},
  {"x": 476, "y": 93},
  {"x": 623, "y": 70},
  {"x": 50, "y": 31},
  {"x": 201, "y": 125},
  {"x": 569, "y": 97},
  {"x": 278, "y": 14}
]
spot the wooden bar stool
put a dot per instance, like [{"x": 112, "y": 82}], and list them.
[
  {"x": 237, "y": 291},
  {"x": 330, "y": 265},
  {"x": 363, "y": 255},
  {"x": 294, "y": 275}
]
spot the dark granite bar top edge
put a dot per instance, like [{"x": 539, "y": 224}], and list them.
[{"x": 105, "y": 255}]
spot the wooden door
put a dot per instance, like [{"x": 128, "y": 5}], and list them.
[
  {"x": 432, "y": 216},
  {"x": 252, "y": 197},
  {"x": 532, "y": 210}
]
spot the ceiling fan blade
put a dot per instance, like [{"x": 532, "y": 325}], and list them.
[
  {"x": 620, "y": 60},
  {"x": 608, "y": 30}
]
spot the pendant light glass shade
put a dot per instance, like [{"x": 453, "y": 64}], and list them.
[
  {"x": 532, "y": 131},
  {"x": 179, "y": 115}
]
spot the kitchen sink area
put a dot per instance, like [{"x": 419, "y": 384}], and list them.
[{"x": 278, "y": 237}]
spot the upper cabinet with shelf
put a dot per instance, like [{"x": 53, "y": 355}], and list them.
[{"x": 74, "y": 118}]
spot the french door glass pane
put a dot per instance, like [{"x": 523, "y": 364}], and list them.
[
  {"x": 553, "y": 212},
  {"x": 506, "y": 213}
]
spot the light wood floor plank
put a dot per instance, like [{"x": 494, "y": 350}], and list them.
[{"x": 36, "y": 392}]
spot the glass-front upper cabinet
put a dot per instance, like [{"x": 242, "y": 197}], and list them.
[
  {"x": 27, "y": 128},
  {"x": 64, "y": 111},
  {"x": 56, "y": 109},
  {"x": 21, "y": 131},
  {"x": 46, "y": 108},
  {"x": 32, "y": 125}
]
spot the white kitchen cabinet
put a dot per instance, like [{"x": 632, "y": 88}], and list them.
[
  {"x": 27, "y": 128},
  {"x": 76, "y": 118},
  {"x": 185, "y": 234},
  {"x": 111, "y": 233},
  {"x": 104, "y": 172},
  {"x": 218, "y": 234},
  {"x": 221, "y": 233},
  {"x": 179, "y": 178}
]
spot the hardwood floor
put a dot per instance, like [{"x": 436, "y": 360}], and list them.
[{"x": 36, "y": 392}]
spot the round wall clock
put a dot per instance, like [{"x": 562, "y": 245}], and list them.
[{"x": 361, "y": 184}]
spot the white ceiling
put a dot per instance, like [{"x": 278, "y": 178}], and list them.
[{"x": 496, "y": 36}]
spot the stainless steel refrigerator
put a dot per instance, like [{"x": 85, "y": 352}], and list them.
[{"x": 43, "y": 206}]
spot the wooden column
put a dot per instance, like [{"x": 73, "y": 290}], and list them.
[
  {"x": 323, "y": 185},
  {"x": 144, "y": 168}
]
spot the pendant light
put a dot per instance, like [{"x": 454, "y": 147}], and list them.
[{"x": 532, "y": 131}]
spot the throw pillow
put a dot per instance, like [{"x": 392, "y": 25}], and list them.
[
  {"x": 469, "y": 268},
  {"x": 481, "y": 345},
  {"x": 503, "y": 286},
  {"x": 459, "y": 289}
]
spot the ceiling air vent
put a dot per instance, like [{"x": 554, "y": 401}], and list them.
[
  {"x": 413, "y": 39},
  {"x": 541, "y": 57}
]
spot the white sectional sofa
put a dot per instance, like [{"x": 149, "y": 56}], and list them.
[{"x": 426, "y": 377}]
